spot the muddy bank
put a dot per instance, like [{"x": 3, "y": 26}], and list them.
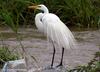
[{"x": 36, "y": 45}]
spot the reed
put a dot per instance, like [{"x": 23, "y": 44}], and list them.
[{"x": 79, "y": 13}]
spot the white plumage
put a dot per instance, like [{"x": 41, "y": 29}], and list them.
[
  {"x": 55, "y": 29},
  {"x": 50, "y": 25}
]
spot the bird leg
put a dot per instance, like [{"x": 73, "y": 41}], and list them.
[
  {"x": 54, "y": 50},
  {"x": 61, "y": 58}
]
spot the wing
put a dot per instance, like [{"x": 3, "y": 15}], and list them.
[{"x": 57, "y": 31}]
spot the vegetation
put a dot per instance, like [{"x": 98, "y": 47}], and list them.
[
  {"x": 93, "y": 65},
  {"x": 80, "y": 13},
  {"x": 6, "y": 55}
]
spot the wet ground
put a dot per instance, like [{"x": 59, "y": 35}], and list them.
[{"x": 36, "y": 45}]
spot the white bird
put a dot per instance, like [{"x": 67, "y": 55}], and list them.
[{"x": 51, "y": 26}]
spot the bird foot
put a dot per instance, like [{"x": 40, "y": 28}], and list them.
[
  {"x": 60, "y": 65},
  {"x": 49, "y": 67}
]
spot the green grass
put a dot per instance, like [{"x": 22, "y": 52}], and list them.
[
  {"x": 6, "y": 55},
  {"x": 92, "y": 66},
  {"x": 79, "y": 13}
]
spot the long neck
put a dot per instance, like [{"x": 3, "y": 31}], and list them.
[
  {"x": 45, "y": 10},
  {"x": 38, "y": 17},
  {"x": 38, "y": 21}
]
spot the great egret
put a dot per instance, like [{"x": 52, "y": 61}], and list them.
[{"x": 51, "y": 26}]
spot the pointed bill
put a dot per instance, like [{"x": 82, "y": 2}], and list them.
[{"x": 33, "y": 7}]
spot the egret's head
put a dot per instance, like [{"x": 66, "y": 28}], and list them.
[{"x": 39, "y": 7}]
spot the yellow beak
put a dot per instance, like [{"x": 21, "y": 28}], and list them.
[{"x": 33, "y": 7}]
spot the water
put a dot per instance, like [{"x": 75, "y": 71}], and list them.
[{"x": 36, "y": 45}]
